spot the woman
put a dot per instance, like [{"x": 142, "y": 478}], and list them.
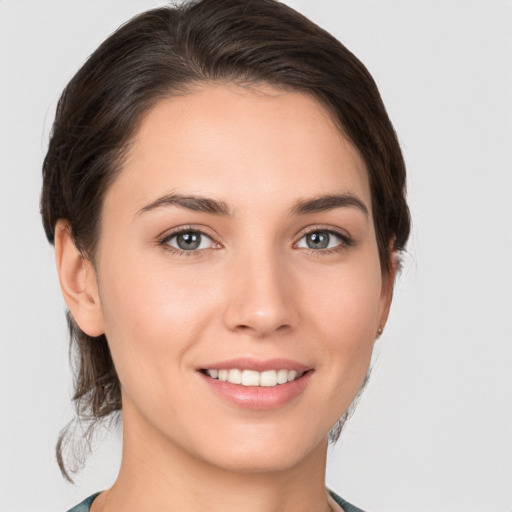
[{"x": 226, "y": 196}]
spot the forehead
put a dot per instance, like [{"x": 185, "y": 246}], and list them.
[{"x": 237, "y": 141}]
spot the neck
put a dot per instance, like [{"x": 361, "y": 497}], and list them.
[{"x": 156, "y": 474}]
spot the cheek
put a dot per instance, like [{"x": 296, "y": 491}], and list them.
[
  {"x": 348, "y": 302},
  {"x": 137, "y": 291},
  {"x": 345, "y": 310},
  {"x": 151, "y": 316}
]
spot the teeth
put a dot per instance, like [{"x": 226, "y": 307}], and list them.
[
  {"x": 282, "y": 376},
  {"x": 267, "y": 378},
  {"x": 250, "y": 378},
  {"x": 235, "y": 376}
]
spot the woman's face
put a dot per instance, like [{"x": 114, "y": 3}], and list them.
[{"x": 238, "y": 243}]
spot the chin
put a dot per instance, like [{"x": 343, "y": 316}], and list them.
[{"x": 264, "y": 452}]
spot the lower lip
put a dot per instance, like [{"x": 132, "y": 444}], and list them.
[{"x": 258, "y": 397}]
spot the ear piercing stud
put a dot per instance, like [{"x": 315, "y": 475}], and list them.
[{"x": 379, "y": 331}]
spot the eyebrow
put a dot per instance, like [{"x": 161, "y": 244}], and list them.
[
  {"x": 189, "y": 202},
  {"x": 217, "y": 207},
  {"x": 328, "y": 202}
]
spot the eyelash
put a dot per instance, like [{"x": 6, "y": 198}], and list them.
[
  {"x": 345, "y": 240},
  {"x": 165, "y": 239}
]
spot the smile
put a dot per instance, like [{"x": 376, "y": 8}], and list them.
[
  {"x": 267, "y": 378},
  {"x": 257, "y": 384}
]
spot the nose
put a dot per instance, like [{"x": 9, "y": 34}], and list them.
[{"x": 260, "y": 298}]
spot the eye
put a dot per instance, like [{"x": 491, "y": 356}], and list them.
[
  {"x": 189, "y": 241},
  {"x": 321, "y": 240}
]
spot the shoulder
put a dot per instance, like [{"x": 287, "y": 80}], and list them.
[
  {"x": 347, "y": 507},
  {"x": 85, "y": 505}
]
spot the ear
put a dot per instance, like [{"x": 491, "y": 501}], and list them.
[
  {"x": 78, "y": 282},
  {"x": 388, "y": 283}
]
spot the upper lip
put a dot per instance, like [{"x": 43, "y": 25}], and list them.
[{"x": 259, "y": 365}]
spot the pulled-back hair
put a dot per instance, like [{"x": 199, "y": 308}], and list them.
[{"x": 166, "y": 52}]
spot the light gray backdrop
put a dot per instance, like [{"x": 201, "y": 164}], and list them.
[{"x": 434, "y": 429}]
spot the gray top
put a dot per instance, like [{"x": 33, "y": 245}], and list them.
[{"x": 347, "y": 507}]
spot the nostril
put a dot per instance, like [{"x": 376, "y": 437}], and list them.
[{"x": 261, "y": 329}]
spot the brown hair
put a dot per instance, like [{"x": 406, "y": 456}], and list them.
[{"x": 165, "y": 52}]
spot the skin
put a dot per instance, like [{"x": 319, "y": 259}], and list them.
[{"x": 254, "y": 289}]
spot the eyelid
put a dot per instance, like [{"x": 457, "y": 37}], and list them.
[
  {"x": 346, "y": 239},
  {"x": 167, "y": 235}
]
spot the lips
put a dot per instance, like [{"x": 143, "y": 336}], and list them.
[{"x": 257, "y": 384}]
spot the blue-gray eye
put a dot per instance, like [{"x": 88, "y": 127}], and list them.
[
  {"x": 319, "y": 240},
  {"x": 190, "y": 241}
]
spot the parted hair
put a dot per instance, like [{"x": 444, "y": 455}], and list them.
[{"x": 165, "y": 52}]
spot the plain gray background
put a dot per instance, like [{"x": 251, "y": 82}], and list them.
[{"x": 434, "y": 429}]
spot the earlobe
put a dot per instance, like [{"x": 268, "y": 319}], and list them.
[{"x": 78, "y": 282}]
